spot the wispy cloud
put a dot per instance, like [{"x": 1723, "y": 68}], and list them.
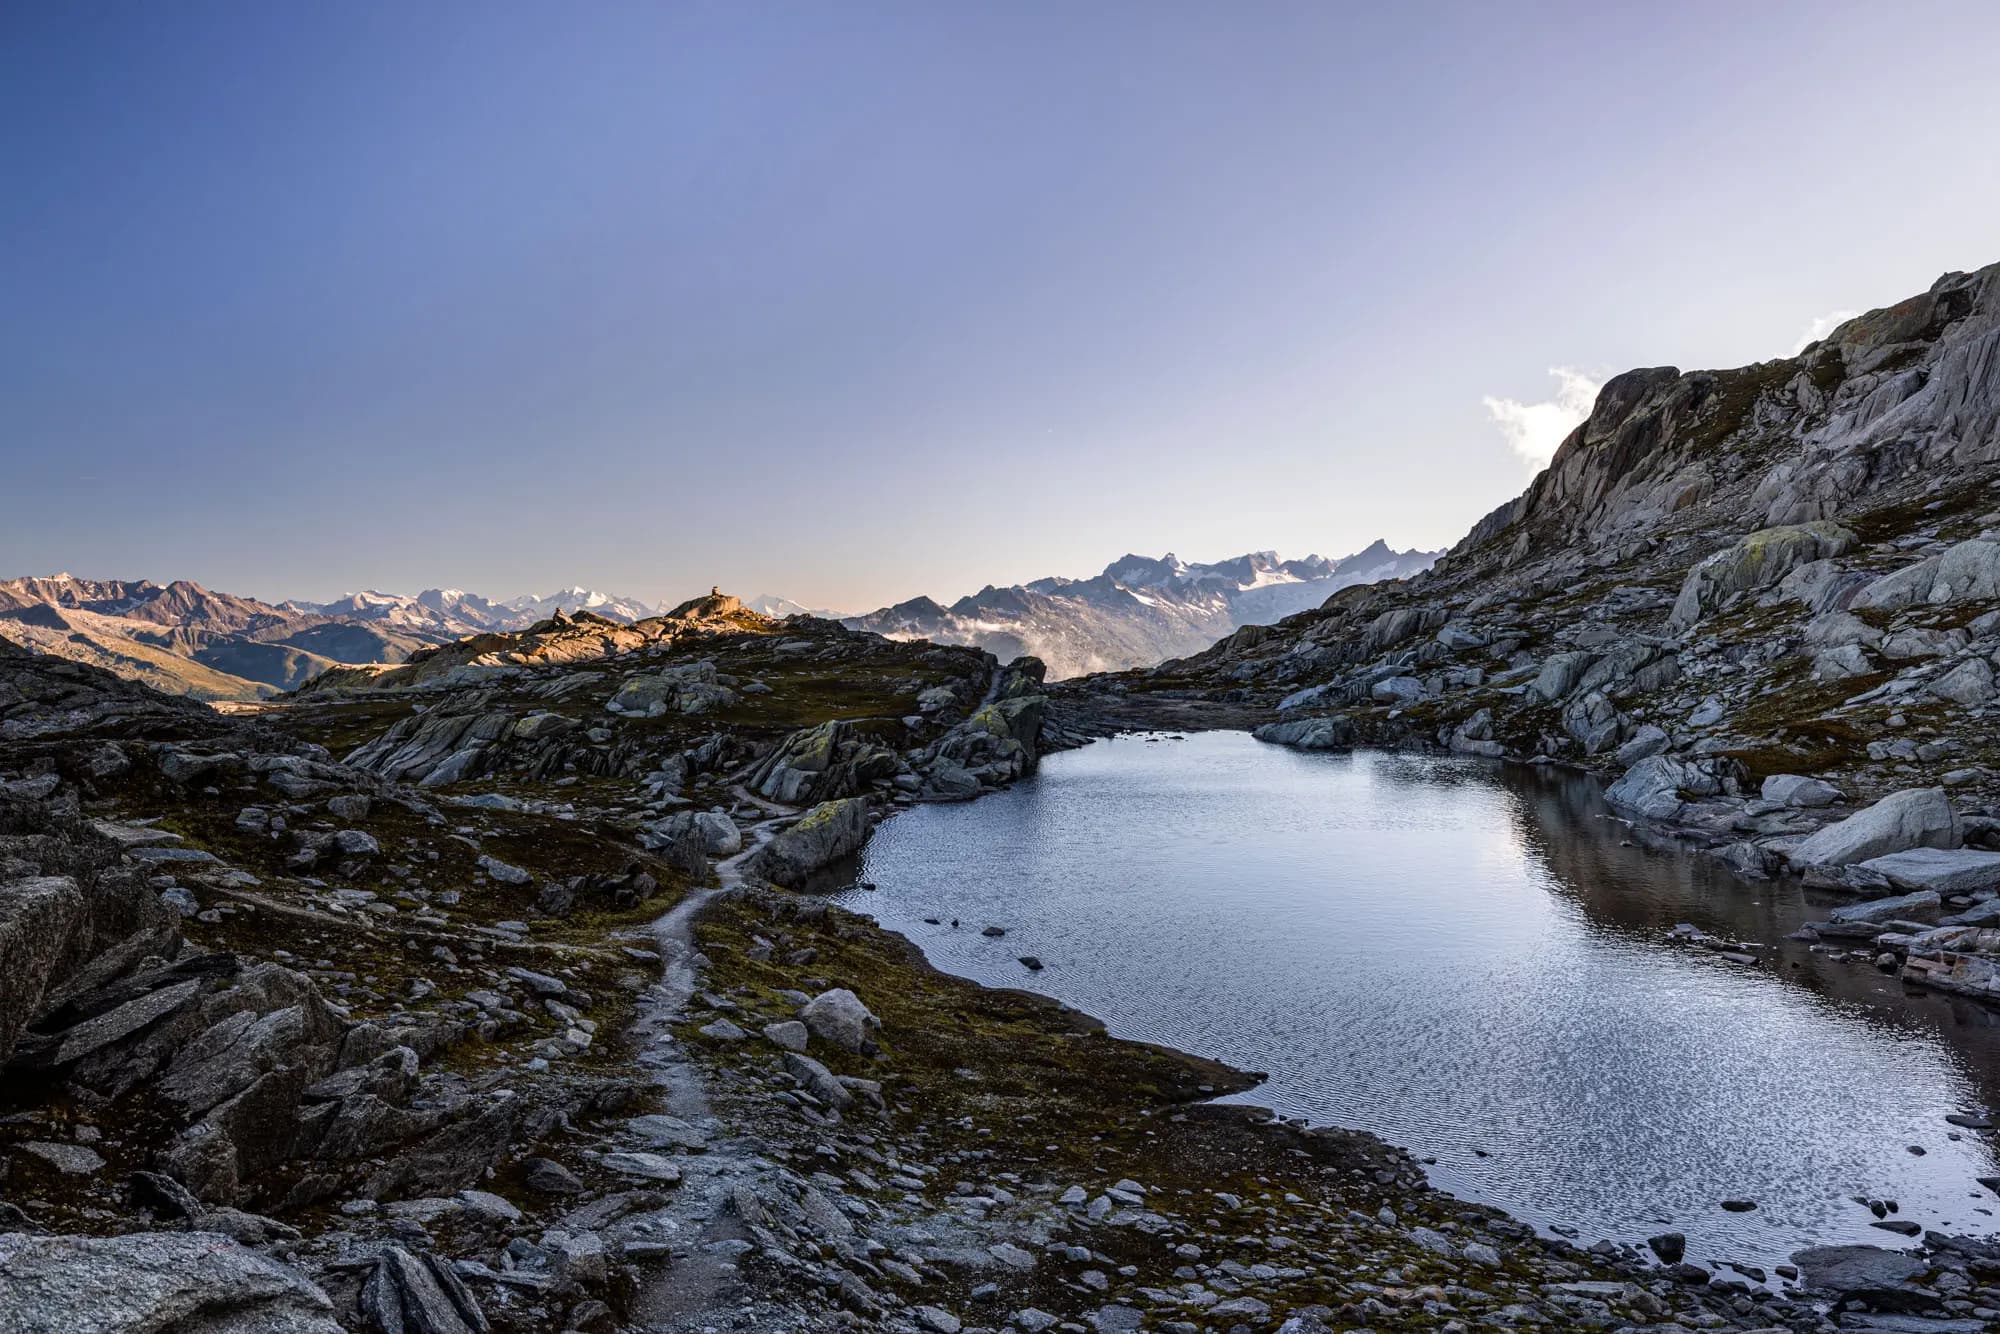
[
  {"x": 1534, "y": 430},
  {"x": 1821, "y": 327}
]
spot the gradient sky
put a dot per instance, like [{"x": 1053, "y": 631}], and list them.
[{"x": 850, "y": 301}]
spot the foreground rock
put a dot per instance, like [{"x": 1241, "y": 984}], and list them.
[{"x": 188, "y": 1282}]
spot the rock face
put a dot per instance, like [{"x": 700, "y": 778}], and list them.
[
  {"x": 1916, "y": 818},
  {"x": 820, "y": 763},
  {"x": 1743, "y": 598},
  {"x": 1757, "y": 562},
  {"x": 186, "y": 1282}
]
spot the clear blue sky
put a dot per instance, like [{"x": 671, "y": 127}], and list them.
[{"x": 850, "y": 301}]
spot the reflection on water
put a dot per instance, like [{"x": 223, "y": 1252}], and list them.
[{"x": 1472, "y": 963}]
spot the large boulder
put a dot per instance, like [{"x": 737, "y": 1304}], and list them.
[
  {"x": 825, "y": 834},
  {"x": 1889, "y": 909},
  {"x": 1758, "y": 561},
  {"x": 1594, "y": 721},
  {"x": 839, "y": 1017},
  {"x": 433, "y": 749},
  {"x": 1397, "y": 691},
  {"x": 998, "y": 743},
  {"x": 719, "y": 833},
  {"x": 1912, "y": 818},
  {"x": 1866, "y": 1272},
  {"x": 1559, "y": 674},
  {"x": 153, "y": 1283},
  {"x": 1969, "y": 683},
  {"x": 419, "y": 1294},
  {"x": 1651, "y": 788},
  {"x": 681, "y": 840}
]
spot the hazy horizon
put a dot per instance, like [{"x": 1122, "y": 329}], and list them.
[
  {"x": 673, "y": 597},
  {"x": 851, "y": 304}
]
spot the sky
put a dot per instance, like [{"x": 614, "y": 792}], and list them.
[{"x": 854, "y": 301}]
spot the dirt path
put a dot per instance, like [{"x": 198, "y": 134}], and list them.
[{"x": 703, "y": 1289}]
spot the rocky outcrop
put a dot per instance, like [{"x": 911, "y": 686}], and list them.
[
  {"x": 998, "y": 743},
  {"x": 690, "y": 688},
  {"x": 825, "y": 834},
  {"x": 1757, "y": 562},
  {"x": 815, "y": 764}
]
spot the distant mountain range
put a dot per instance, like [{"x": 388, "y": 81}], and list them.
[
  {"x": 770, "y": 604},
  {"x": 454, "y": 613},
  {"x": 186, "y": 639},
  {"x": 1140, "y": 610}
]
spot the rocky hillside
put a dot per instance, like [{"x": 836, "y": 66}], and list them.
[
  {"x": 1139, "y": 611},
  {"x": 484, "y": 999},
  {"x": 1758, "y": 599},
  {"x": 186, "y": 639}
]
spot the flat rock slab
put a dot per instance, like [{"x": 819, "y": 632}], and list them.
[
  {"x": 668, "y": 1132},
  {"x": 135, "y": 836},
  {"x": 1883, "y": 910},
  {"x": 1855, "y": 1268},
  {"x": 647, "y": 1166},
  {"x": 173, "y": 855},
  {"x": 69, "y": 1159},
  {"x": 1979, "y": 914},
  {"x": 1948, "y": 871}
]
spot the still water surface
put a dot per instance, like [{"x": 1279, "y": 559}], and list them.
[{"x": 1469, "y": 962}]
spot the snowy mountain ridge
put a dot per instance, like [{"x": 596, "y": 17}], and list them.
[{"x": 1140, "y": 610}]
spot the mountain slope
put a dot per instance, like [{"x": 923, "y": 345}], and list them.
[
  {"x": 1140, "y": 610},
  {"x": 440, "y": 614},
  {"x": 1722, "y": 578},
  {"x": 186, "y": 639}
]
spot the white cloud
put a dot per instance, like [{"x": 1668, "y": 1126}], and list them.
[
  {"x": 1821, "y": 327},
  {"x": 1535, "y": 429}
]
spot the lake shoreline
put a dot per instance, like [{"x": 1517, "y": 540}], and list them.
[{"x": 901, "y": 968}]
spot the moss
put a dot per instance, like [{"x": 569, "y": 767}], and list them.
[
  {"x": 1885, "y": 523},
  {"x": 1015, "y": 1079},
  {"x": 1730, "y": 406},
  {"x": 1032, "y": 1053}
]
